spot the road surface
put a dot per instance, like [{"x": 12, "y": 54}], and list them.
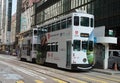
[{"x": 14, "y": 71}]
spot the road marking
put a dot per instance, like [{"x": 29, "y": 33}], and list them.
[
  {"x": 107, "y": 78},
  {"x": 59, "y": 81},
  {"x": 38, "y": 81},
  {"x": 19, "y": 81},
  {"x": 79, "y": 81},
  {"x": 24, "y": 70},
  {"x": 96, "y": 80}
]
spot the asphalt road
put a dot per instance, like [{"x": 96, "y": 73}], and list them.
[{"x": 14, "y": 71}]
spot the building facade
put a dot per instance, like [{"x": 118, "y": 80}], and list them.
[
  {"x": 43, "y": 10},
  {"x": 107, "y": 13},
  {"x": 49, "y": 9},
  {"x": 2, "y": 20},
  {"x": 28, "y": 10},
  {"x": 6, "y": 10},
  {"x": 13, "y": 31},
  {"x": 25, "y": 11}
]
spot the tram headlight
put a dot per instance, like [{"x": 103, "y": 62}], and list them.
[{"x": 84, "y": 60}]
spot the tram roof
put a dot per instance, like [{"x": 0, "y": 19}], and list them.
[
  {"x": 24, "y": 32},
  {"x": 27, "y": 31},
  {"x": 63, "y": 17}
]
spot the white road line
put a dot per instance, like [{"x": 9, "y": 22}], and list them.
[{"x": 26, "y": 71}]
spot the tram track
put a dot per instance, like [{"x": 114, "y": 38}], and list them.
[
  {"x": 54, "y": 76},
  {"x": 110, "y": 78},
  {"x": 57, "y": 76},
  {"x": 34, "y": 73},
  {"x": 64, "y": 76},
  {"x": 68, "y": 74},
  {"x": 86, "y": 76}
]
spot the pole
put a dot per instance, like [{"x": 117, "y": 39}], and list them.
[{"x": 106, "y": 56}]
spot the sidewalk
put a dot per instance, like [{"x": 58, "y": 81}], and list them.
[{"x": 106, "y": 71}]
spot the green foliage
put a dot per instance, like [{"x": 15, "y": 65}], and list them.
[
  {"x": 40, "y": 59},
  {"x": 90, "y": 56},
  {"x": 39, "y": 54}
]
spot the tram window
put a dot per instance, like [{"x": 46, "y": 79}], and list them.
[
  {"x": 48, "y": 48},
  {"x": 44, "y": 30},
  {"x": 85, "y": 21},
  {"x": 91, "y": 22},
  {"x": 69, "y": 22},
  {"x": 39, "y": 32},
  {"x": 84, "y": 45},
  {"x": 63, "y": 24},
  {"x": 56, "y": 47},
  {"x": 35, "y": 32},
  {"x": 58, "y": 26},
  {"x": 76, "y": 20},
  {"x": 35, "y": 46},
  {"x": 90, "y": 46},
  {"x": 76, "y": 45},
  {"x": 53, "y": 27},
  {"x": 49, "y": 28},
  {"x": 30, "y": 46},
  {"x": 53, "y": 48}
]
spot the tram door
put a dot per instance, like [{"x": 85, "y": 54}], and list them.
[
  {"x": 28, "y": 49},
  {"x": 68, "y": 58}
]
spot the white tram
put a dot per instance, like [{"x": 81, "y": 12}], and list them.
[
  {"x": 29, "y": 42},
  {"x": 68, "y": 41}
]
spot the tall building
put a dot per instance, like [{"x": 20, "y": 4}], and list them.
[
  {"x": 13, "y": 31},
  {"x": 18, "y": 17},
  {"x": 49, "y": 9},
  {"x": 2, "y": 20},
  {"x": 107, "y": 13},
  {"x": 25, "y": 10},
  {"x": 33, "y": 12},
  {"x": 5, "y": 23},
  {"x": 26, "y": 13}
]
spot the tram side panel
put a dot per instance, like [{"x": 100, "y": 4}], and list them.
[{"x": 58, "y": 56}]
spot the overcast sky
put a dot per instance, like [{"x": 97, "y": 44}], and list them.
[{"x": 14, "y": 6}]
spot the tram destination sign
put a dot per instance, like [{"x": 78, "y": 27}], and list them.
[{"x": 84, "y": 34}]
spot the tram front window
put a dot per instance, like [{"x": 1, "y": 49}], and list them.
[
  {"x": 35, "y": 32},
  {"x": 76, "y": 45},
  {"x": 92, "y": 23},
  {"x": 84, "y": 45},
  {"x": 76, "y": 20},
  {"x": 85, "y": 21}
]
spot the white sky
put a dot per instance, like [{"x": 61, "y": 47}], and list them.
[{"x": 14, "y": 6}]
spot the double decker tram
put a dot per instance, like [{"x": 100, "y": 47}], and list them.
[
  {"x": 28, "y": 44},
  {"x": 68, "y": 41}
]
